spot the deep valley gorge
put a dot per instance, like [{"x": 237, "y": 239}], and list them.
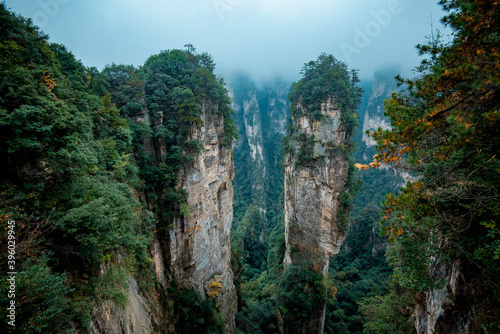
[{"x": 165, "y": 198}]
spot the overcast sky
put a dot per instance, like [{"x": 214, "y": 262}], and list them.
[{"x": 262, "y": 37}]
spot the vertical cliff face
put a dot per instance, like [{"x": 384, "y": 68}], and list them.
[
  {"x": 261, "y": 116},
  {"x": 199, "y": 245},
  {"x": 142, "y": 313},
  {"x": 313, "y": 231},
  {"x": 448, "y": 309},
  {"x": 372, "y": 110}
]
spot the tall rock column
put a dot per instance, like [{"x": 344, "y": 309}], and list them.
[
  {"x": 316, "y": 173},
  {"x": 318, "y": 177}
]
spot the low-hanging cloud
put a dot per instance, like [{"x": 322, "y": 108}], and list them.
[{"x": 262, "y": 37}]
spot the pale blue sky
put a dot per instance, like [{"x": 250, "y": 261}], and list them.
[{"x": 263, "y": 37}]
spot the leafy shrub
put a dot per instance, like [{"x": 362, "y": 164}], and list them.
[
  {"x": 305, "y": 155},
  {"x": 193, "y": 314},
  {"x": 300, "y": 294},
  {"x": 43, "y": 300}
]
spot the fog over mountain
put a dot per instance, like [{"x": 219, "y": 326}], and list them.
[{"x": 265, "y": 38}]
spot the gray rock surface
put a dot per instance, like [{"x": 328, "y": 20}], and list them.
[
  {"x": 312, "y": 230},
  {"x": 199, "y": 245}
]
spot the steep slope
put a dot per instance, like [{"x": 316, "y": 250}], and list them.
[
  {"x": 444, "y": 226},
  {"x": 372, "y": 115},
  {"x": 262, "y": 111},
  {"x": 68, "y": 185},
  {"x": 199, "y": 243}
]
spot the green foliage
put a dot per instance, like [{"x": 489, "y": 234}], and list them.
[
  {"x": 126, "y": 89},
  {"x": 300, "y": 293},
  {"x": 195, "y": 146},
  {"x": 67, "y": 167},
  {"x": 184, "y": 210},
  {"x": 261, "y": 265},
  {"x": 445, "y": 129},
  {"x": 258, "y": 227},
  {"x": 317, "y": 115},
  {"x": 179, "y": 84},
  {"x": 174, "y": 93},
  {"x": 176, "y": 86},
  {"x": 111, "y": 286},
  {"x": 258, "y": 309},
  {"x": 390, "y": 313},
  {"x": 324, "y": 78},
  {"x": 360, "y": 269},
  {"x": 248, "y": 237},
  {"x": 193, "y": 314},
  {"x": 345, "y": 201},
  {"x": 493, "y": 247},
  {"x": 305, "y": 153},
  {"x": 43, "y": 300}
]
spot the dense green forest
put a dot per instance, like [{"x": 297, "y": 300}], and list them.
[
  {"x": 89, "y": 172},
  {"x": 89, "y": 180},
  {"x": 360, "y": 270},
  {"x": 445, "y": 134},
  {"x": 357, "y": 271},
  {"x": 446, "y": 131},
  {"x": 258, "y": 228}
]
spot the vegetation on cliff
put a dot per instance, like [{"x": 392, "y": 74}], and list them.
[
  {"x": 76, "y": 178},
  {"x": 258, "y": 227},
  {"x": 322, "y": 80},
  {"x": 66, "y": 176},
  {"x": 445, "y": 129}
]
